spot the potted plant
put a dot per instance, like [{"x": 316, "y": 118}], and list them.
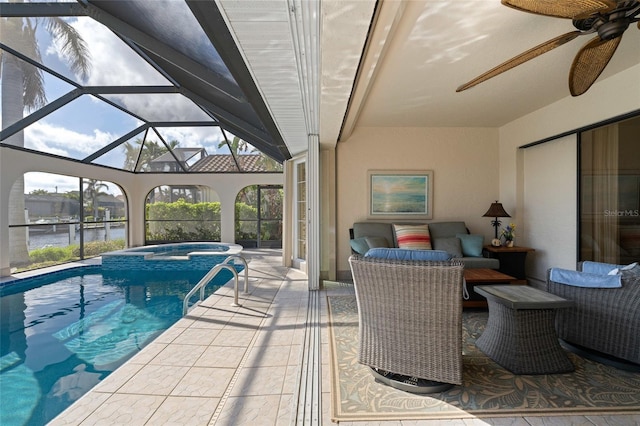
[{"x": 509, "y": 233}]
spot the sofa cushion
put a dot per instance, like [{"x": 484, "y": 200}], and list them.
[
  {"x": 414, "y": 237},
  {"x": 471, "y": 244},
  {"x": 451, "y": 245},
  {"x": 447, "y": 229},
  {"x": 374, "y": 229},
  {"x": 405, "y": 254},
  {"x": 584, "y": 279}
]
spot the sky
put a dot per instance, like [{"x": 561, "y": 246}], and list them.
[{"x": 87, "y": 124}]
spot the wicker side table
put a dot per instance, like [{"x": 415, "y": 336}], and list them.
[{"x": 520, "y": 333}]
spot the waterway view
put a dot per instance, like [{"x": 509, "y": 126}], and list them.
[{"x": 60, "y": 239}]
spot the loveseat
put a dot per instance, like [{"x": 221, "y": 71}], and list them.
[
  {"x": 452, "y": 237},
  {"x": 604, "y": 324}
]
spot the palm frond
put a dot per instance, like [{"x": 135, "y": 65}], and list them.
[
  {"x": 33, "y": 80},
  {"x": 73, "y": 47}
]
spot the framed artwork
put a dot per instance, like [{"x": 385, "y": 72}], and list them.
[{"x": 400, "y": 193}]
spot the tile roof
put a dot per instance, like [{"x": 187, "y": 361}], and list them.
[{"x": 224, "y": 163}]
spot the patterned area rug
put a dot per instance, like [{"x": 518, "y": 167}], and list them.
[{"x": 488, "y": 389}]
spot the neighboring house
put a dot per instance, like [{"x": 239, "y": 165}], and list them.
[
  {"x": 51, "y": 206},
  {"x": 186, "y": 158}
]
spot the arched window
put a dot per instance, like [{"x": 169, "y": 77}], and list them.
[
  {"x": 175, "y": 213},
  {"x": 59, "y": 219}
]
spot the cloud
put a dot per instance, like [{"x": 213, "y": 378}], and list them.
[
  {"x": 50, "y": 182},
  {"x": 57, "y": 140}
]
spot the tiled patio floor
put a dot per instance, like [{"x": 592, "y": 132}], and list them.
[{"x": 243, "y": 365}]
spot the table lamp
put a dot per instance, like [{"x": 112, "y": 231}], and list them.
[{"x": 496, "y": 210}]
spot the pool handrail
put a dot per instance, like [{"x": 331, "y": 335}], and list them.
[
  {"x": 246, "y": 270},
  {"x": 211, "y": 274}
]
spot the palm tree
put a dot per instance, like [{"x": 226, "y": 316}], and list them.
[
  {"x": 23, "y": 89},
  {"x": 93, "y": 190},
  {"x": 238, "y": 146},
  {"x": 150, "y": 151}
]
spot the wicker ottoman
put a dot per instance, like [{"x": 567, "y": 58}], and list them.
[{"x": 520, "y": 333}]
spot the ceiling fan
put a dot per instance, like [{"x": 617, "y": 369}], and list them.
[{"x": 608, "y": 19}]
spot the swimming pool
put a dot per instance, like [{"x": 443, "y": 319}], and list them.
[
  {"x": 63, "y": 332},
  {"x": 177, "y": 256}
]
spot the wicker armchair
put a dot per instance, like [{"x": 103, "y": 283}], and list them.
[
  {"x": 604, "y": 325},
  {"x": 410, "y": 321}
]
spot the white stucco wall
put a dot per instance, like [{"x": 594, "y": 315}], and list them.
[{"x": 14, "y": 163}]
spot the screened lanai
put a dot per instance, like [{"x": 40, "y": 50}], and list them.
[{"x": 129, "y": 101}]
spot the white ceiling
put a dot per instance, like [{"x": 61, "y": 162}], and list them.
[{"x": 418, "y": 53}]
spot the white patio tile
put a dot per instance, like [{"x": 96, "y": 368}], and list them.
[
  {"x": 180, "y": 410},
  {"x": 259, "y": 381},
  {"x": 234, "y": 338},
  {"x": 221, "y": 356},
  {"x": 249, "y": 411},
  {"x": 154, "y": 380},
  {"x": 130, "y": 410},
  {"x": 204, "y": 381},
  {"x": 75, "y": 414},
  {"x": 178, "y": 355},
  {"x": 196, "y": 336}
]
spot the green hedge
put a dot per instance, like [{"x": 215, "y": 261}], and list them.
[{"x": 48, "y": 256}]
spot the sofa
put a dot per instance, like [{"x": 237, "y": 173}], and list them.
[
  {"x": 452, "y": 237},
  {"x": 604, "y": 324}
]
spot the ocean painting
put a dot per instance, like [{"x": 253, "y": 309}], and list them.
[{"x": 399, "y": 194}]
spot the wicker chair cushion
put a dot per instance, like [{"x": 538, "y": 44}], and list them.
[
  {"x": 584, "y": 279},
  {"x": 605, "y": 268}
]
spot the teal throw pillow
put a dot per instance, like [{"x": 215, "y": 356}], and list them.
[
  {"x": 359, "y": 245},
  {"x": 471, "y": 244}
]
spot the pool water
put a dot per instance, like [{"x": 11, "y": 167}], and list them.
[{"x": 62, "y": 333}]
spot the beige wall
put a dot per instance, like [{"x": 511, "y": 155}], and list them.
[
  {"x": 464, "y": 163},
  {"x": 474, "y": 166},
  {"x": 553, "y": 233},
  {"x": 548, "y": 217}
]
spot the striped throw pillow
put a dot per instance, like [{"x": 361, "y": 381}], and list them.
[{"x": 414, "y": 237}]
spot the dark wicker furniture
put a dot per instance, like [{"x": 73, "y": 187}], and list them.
[
  {"x": 410, "y": 320},
  {"x": 520, "y": 333},
  {"x": 604, "y": 324}
]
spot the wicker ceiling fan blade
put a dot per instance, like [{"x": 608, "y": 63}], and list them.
[
  {"x": 521, "y": 58},
  {"x": 589, "y": 63},
  {"x": 570, "y": 9}
]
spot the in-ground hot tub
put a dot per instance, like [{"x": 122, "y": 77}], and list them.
[{"x": 174, "y": 257}]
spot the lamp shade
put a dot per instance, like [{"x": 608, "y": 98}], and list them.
[{"x": 496, "y": 210}]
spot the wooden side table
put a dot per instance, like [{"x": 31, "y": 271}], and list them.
[
  {"x": 512, "y": 259},
  {"x": 483, "y": 276}
]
